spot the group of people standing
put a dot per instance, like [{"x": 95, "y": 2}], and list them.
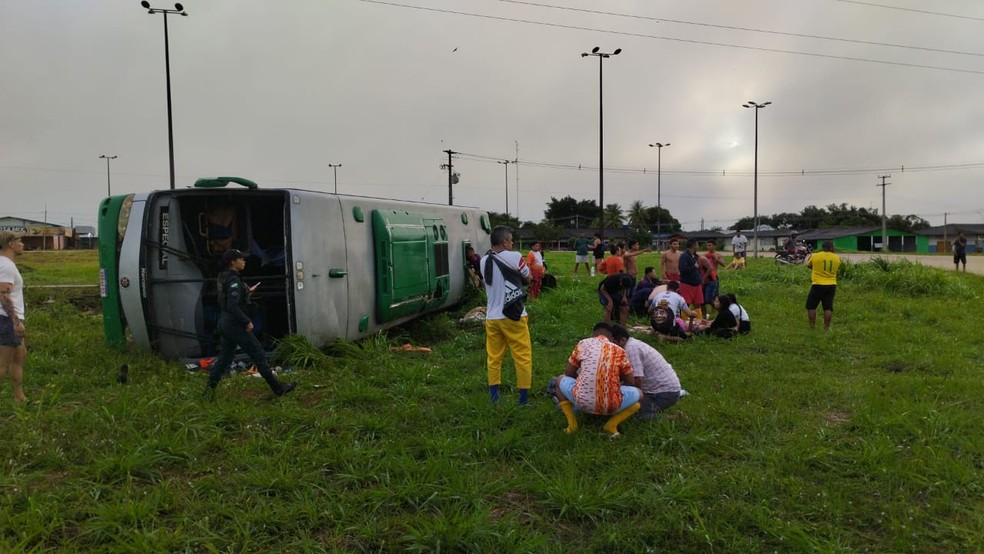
[{"x": 686, "y": 286}]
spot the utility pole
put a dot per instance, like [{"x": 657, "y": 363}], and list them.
[
  {"x": 109, "y": 188},
  {"x": 516, "y": 162},
  {"x": 945, "y": 243},
  {"x": 450, "y": 167},
  {"x": 334, "y": 168},
  {"x": 884, "y": 227},
  {"x": 505, "y": 165}
]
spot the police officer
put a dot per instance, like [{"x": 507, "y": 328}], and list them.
[{"x": 235, "y": 327}]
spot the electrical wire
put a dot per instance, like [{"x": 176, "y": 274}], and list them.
[
  {"x": 727, "y": 173},
  {"x": 745, "y": 29},
  {"x": 913, "y": 10},
  {"x": 687, "y": 41}
]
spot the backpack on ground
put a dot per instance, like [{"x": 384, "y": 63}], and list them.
[{"x": 662, "y": 317}]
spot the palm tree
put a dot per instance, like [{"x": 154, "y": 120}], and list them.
[
  {"x": 613, "y": 216},
  {"x": 638, "y": 217}
]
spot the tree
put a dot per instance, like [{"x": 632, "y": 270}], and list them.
[
  {"x": 909, "y": 222},
  {"x": 835, "y": 215},
  {"x": 667, "y": 223},
  {"x": 638, "y": 216},
  {"x": 547, "y": 231},
  {"x": 568, "y": 212},
  {"x": 745, "y": 223},
  {"x": 496, "y": 219},
  {"x": 613, "y": 216}
]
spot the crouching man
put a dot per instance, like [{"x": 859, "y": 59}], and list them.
[
  {"x": 598, "y": 380},
  {"x": 654, "y": 375}
]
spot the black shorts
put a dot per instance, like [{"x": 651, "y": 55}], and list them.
[
  {"x": 821, "y": 294},
  {"x": 961, "y": 257},
  {"x": 7, "y": 335}
]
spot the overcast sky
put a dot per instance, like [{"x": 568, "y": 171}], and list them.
[{"x": 277, "y": 91}]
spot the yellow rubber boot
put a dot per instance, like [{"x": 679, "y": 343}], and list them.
[
  {"x": 568, "y": 410},
  {"x": 612, "y": 425}
]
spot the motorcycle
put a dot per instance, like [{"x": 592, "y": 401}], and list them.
[{"x": 794, "y": 257}]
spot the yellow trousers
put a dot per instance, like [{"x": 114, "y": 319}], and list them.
[{"x": 500, "y": 333}]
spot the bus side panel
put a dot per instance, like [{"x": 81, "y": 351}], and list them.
[
  {"x": 133, "y": 276},
  {"x": 109, "y": 218},
  {"x": 463, "y": 225},
  {"x": 175, "y": 282},
  {"x": 321, "y": 274}
]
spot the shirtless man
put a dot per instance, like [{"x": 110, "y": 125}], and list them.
[
  {"x": 669, "y": 262},
  {"x": 629, "y": 257}
]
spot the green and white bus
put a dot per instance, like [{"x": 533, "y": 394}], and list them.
[{"x": 329, "y": 266}]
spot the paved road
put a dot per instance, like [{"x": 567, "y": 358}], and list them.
[{"x": 975, "y": 263}]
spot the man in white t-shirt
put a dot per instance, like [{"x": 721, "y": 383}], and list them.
[
  {"x": 12, "y": 349},
  {"x": 501, "y": 331},
  {"x": 739, "y": 243}
]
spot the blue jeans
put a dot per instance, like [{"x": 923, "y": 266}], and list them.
[{"x": 630, "y": 395}]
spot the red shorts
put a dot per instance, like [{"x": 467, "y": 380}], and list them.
[{"x": 693, "y": 294}]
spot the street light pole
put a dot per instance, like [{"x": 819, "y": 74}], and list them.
[
  {"x": 178, "y": 10},
  {"x": 109, "y": 190},
  {"x": 601, "y": 133},
  {"x": 755, "y": 231},
  {"x": 659, "y": 169},
  {"x": 334, "y": 167},
  {"x": 505, "y": 165}
]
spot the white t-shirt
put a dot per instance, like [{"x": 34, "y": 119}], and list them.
[
  {"x": 738, "y": 243},
  {"x": 9, "y": 274},
  {"x": 741, "y": 314},
  {"x": 496, "y": 291},
  {"x": 676, "y": 302}
]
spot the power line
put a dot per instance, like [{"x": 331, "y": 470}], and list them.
[
  {"x": 688, "y": 41},
  {"x": 746, "y": 29},
  {"x": 728, "y": 173},
  {"x": 913, "y": 10}
]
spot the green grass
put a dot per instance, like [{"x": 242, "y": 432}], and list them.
[{"x": 867, "y": 438}]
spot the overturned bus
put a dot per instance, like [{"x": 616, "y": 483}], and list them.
[{"x": 328, "y": 266}]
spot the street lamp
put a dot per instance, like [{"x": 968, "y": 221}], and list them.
[
  {"x": 755, "y": 231},
  {"x": 179, "y": 10},
  {"x": 505, "y": 165},
  {"x": 334, "y": 167},
  {"x": 107, "y": 158},
  {"x": 659, "y": 170},
  {"x": 601, "y": 133}
]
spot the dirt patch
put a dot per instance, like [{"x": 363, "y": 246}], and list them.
[
  {"x": 88, "y": 304},
  {"x": 896, "y": 367},
  {"x": 836, "y": 417}
]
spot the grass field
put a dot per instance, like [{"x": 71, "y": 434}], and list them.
[{"x": 869, "y": 438}]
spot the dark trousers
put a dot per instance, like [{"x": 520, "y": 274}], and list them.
[
  {"x": 234, "y": 334},
  {"x": 653, "y": 404}
]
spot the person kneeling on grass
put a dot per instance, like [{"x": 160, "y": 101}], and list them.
[
  {"x": 725, "y": 325},
  {"x": 654, "y": 376},
  {"x": 598, "y": 380}
]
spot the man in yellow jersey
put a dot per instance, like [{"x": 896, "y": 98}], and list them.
[{"x": 824, "y": 278}]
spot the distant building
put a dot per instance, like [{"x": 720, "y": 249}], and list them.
[
  {"x": 867, "y": 239},
  {"x": 38, "y": 235},
  {"x": 941, "y": 237}
]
